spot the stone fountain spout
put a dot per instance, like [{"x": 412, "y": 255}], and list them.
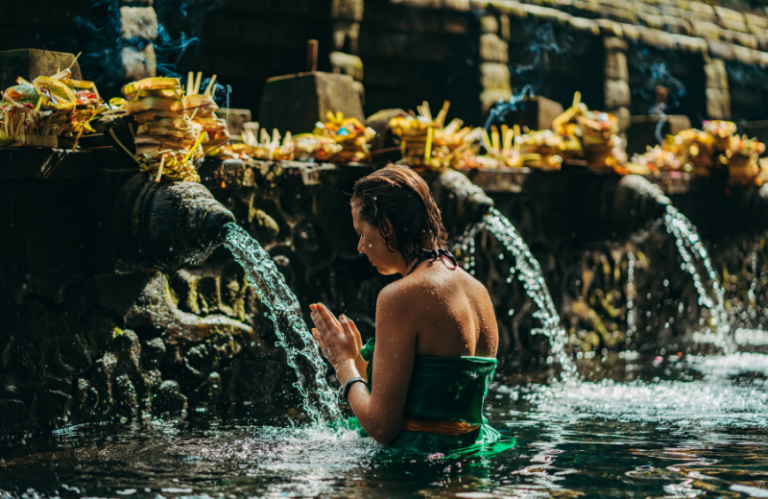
[
  {"x": 633, "y": 203},
  {"x": 158, "y": 226},
  {"x": 460, "y": 201}
]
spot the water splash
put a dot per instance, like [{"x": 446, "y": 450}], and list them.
[
  {"x": 631, "y": 312},
  {"x": 319, "y": 401},
  {"x": 528, "y": 272},
  {"x": 691, "y": 247}
]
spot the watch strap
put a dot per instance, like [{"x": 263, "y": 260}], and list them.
[{"x": 349, "y": 384}]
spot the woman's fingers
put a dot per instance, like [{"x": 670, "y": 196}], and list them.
[
  {"x": 325, "y": 313},
  {"x": 324, "y": 320},
  {"x": 350, "y": 328}
]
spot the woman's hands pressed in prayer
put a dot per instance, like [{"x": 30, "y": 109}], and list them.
[{"x": 339, "y": 340}]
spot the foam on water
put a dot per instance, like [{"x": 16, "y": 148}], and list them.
[
  {"x": 705, "y": 402},
  {"x": 730, "y": 365},
  {"x": 319, "y": 401},
  {"x": 528, "y": 272},
  {"x": 715, "y": 400}
]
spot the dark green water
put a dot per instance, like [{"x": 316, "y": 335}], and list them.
[{"x": 689, "y": 429}]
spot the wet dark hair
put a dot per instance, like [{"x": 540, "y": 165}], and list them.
[{"x": 398, "y": 194}]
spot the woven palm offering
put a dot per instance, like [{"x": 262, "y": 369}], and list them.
[
  {"x": 50, "y": 111},
  {"x": 599, "y": 140},
  {"x": 701, "y": 151},
  {"x": 166, "y": 141},
  {"x": 743, "y": 155},
  {"x": 201, "y": 108},
  {"x": 349, "y": 133},
  {"x": 510, "y": 148},
  {"x": 425, "y": 142},
  {"x": 259, "y": 144}
]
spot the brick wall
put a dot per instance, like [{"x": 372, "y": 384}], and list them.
[
  {"x": 748, "y": 89},
  {"x": 644, "y": 66},
  {"x": 415, "y": 54},
  {"x": 557, "y": 61}
]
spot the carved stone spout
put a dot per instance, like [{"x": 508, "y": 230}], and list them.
[
  {"x": 460, "y": 201},
  {"x": 158, "y": 226},
  {"x": 633, "y": 203}
]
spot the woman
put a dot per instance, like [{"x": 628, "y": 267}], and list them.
[{"x": 436, "y": 333}]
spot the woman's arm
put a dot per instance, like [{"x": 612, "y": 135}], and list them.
[{"x": 380, "y": 412}]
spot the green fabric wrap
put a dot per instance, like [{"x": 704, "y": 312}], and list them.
[{"x": 446, "y": 389}]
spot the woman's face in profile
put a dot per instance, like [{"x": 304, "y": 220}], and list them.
[{"x": 372, "y": 245}]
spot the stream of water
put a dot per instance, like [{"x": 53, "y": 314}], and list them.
[
  {"x": 691, "y": 249},
  {"x": 528, "y": 272},
  {"x": 284, "y": 310}
]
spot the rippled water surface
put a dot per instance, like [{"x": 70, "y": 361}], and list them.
[{"x": 695, "y": 427}]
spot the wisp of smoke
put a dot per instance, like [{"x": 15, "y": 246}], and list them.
[
  {"x": 502, "y": 108},
  {"x": 103, "y": 43},
  {"x": 657, "y": 74}
]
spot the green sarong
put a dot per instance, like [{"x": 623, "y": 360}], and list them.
[{"x": 446, "y": 389}]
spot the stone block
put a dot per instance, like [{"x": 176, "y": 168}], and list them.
[
  {"x": 489, "y": 24},
  {"x": 139, "y": 63},
  {"x": 643, "y": 131},
  {"x": 459, "y": 5},
  {"x": 420, "y": 4},
  {"x": 720, "y": 50},
  {"x": 345, "y": 36},
  {"x": 717, "y": 77},
  {"x": 491, "y": 96},
  {"x": 360, "y": 89},
  {"x": 495, "y": 75},
  {"x": 718, "y": 104},
  {"x": 756, "y": 23},
  {"x": 138, "y": 22},
  {"x": 504, "y": 23},
  {"x": 725, "y": 14},
  {"x": 623, "y": 115},
  {"x": 616, "y": 66},
  {"x": 733, "y": 25},
  {"x": 493, "y": 48},
  {"x": 31, "y": 63},
  {"x": 616, "y": 94},
  {"x": 536, "y": 113},
  {"x": 235, "y": 118},
  {"x": 347, "y": 10},
  {"x": 297, "y": 102},
  {"x": 347, "y": 64}
]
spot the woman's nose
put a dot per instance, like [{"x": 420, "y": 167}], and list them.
[{"x": 360, "y": 246}]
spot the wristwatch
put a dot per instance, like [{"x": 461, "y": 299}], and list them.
[{"x": 349, "y": 384}]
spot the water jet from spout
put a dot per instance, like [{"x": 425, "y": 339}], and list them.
[{"x": 319, "y": 401}]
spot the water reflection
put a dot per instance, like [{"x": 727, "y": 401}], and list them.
[{"x": 670, "y": 438}]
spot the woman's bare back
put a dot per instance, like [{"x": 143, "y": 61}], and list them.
[{"x": 452, "y": 313}]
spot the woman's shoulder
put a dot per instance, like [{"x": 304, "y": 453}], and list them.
[{"x": 418, "y": 287}]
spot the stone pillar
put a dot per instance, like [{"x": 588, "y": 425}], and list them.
[
  {"x": 347, "y": 15},
  {"x": 718, "y": 95},
  {"x": 138, "y": 29},
  {"x": 494, "y": 60},
  {"x": 617, "y": 94}
]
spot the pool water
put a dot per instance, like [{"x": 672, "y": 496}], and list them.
[{"x": 683, "y": 428}]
